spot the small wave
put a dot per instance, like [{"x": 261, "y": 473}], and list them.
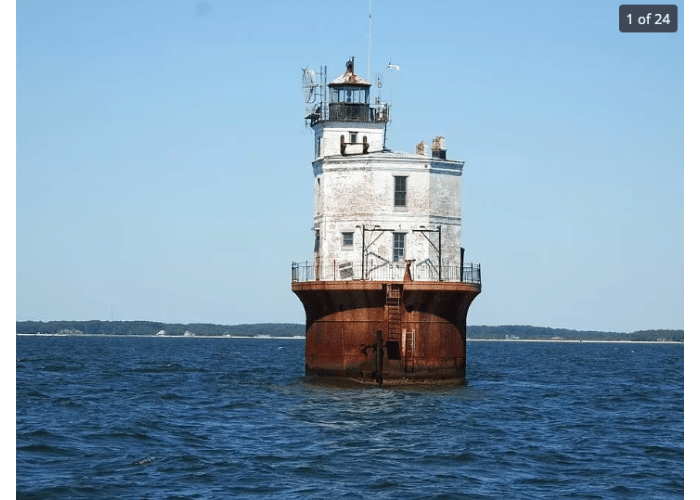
[
  {"x": 664, "y": 451},
  {"x": 40, "y": 433},
  {"x": 47, "y": 449},
  {"x": 36, "y": 394},
  {"x": 144, "y": 461},
  {"x": 61, "y": 492},
  {"x": 170, "y": 396}
]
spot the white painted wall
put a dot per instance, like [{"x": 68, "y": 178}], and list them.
[
  {"x": 352, "y": 191},
  {"x": 327, "y": 137}
]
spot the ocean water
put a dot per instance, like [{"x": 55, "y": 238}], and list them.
[{"x": 176, "y": 418}]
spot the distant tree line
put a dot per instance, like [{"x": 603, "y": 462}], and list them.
[
  {"x": 147, "y": 328},
  {"x": 544, "y": 333}
]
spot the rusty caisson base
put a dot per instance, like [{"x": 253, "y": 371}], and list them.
[{"x": 411, "y": 332}]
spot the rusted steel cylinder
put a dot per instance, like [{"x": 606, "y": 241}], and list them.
[{"x": 386, "y": 332}]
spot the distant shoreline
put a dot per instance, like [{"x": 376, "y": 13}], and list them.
[
  {"x": 296, "y": 337},
  {"x": 253, "y": 337},
  {"x": 582, "y": 341},
  {"x": 295, "y": 330}
]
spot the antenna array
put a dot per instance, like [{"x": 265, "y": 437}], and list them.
[{"x": 313, "y": 91}]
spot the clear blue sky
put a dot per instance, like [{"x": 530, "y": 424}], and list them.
[{"x": 163, "y": 167}]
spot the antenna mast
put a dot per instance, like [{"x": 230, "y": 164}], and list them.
[{"x": 369, "y": 45}]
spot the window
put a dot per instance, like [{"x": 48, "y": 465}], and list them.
[
  {"x": 317, "y": 241},
  {"x": 347, "y": 240},
  {"x": 399, "y": 246},
  {"x": 399, "y": 191},
  {"x": 353, "y": 137}
]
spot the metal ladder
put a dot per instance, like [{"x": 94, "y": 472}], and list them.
[
  {"x": 393, "y": 306},
  {"x": 408, "y": 346}
]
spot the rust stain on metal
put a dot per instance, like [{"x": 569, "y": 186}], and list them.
[{"x": 387, "y": 333}]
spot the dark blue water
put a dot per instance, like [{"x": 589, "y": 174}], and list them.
[{"x": 167, "y": 418}]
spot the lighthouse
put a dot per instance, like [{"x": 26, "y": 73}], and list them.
[{"x": 387, "y": 291}]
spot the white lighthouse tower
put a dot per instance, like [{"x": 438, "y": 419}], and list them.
[{"x": 387, "y": 273}]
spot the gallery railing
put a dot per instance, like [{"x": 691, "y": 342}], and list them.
[
  {"x": 348, "y": 112},
  {"x": 308, "y": 271}
]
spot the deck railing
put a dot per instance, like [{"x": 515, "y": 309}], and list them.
[
  {"x": 349, "y": 112},
  {"x": 308, "y": 271}
]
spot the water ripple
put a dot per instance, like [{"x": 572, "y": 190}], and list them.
[{"x": 222, "y": 418}]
